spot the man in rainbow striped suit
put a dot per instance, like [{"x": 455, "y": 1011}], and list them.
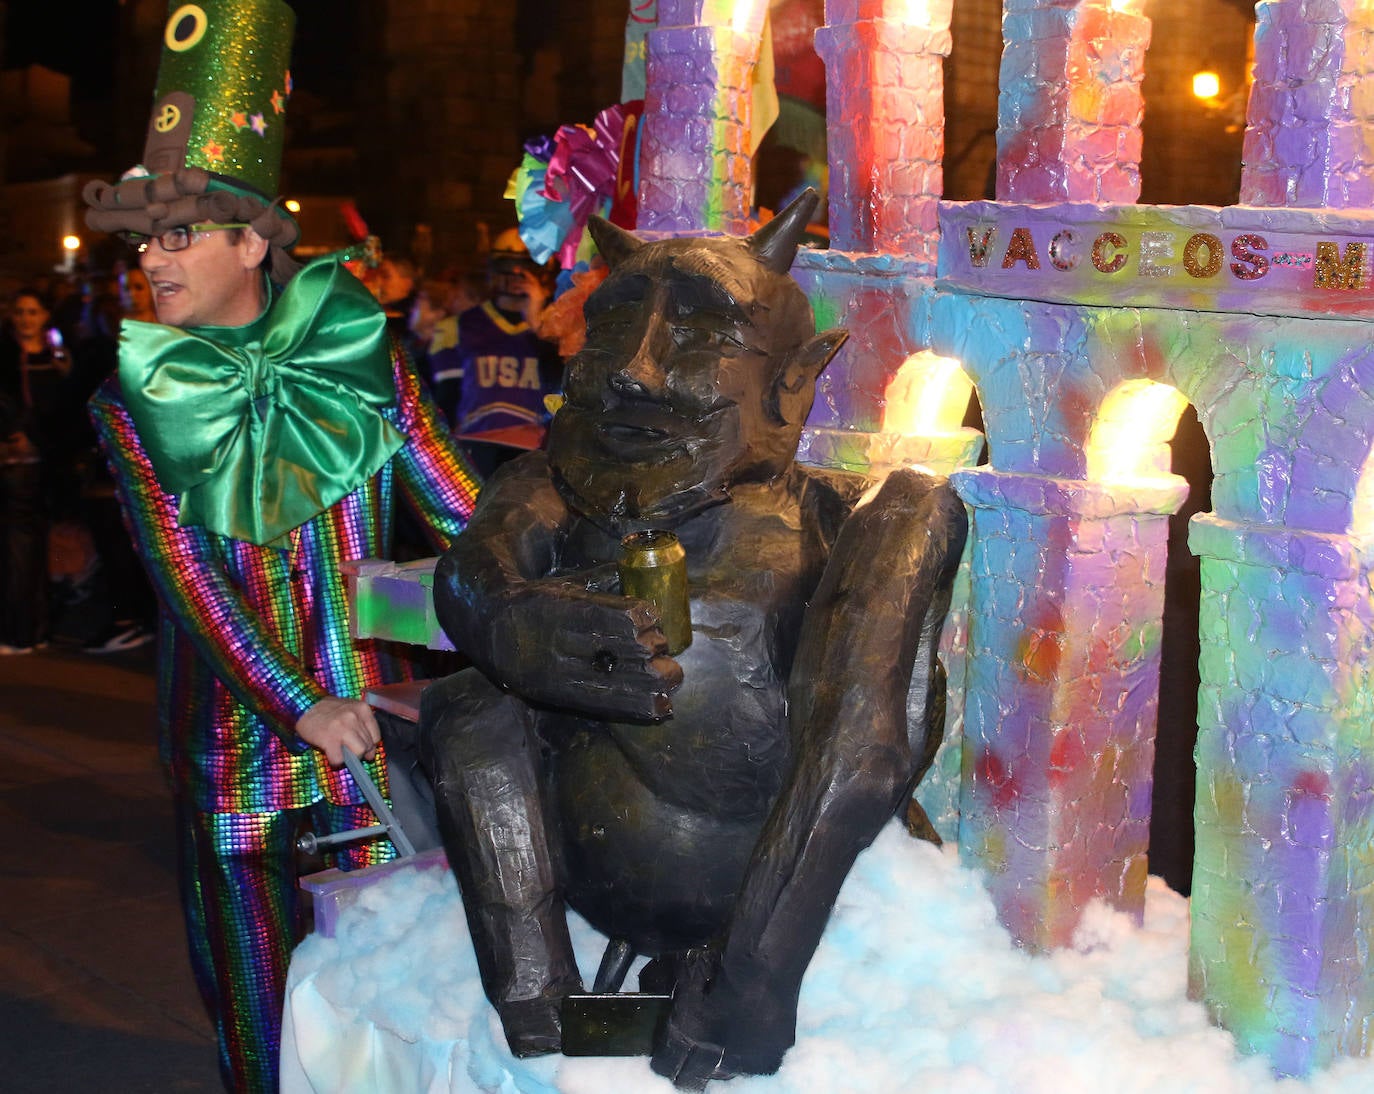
[{"x": 258, "y": 434}]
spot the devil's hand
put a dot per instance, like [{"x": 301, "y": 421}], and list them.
[{"x": 557, "y": 643}]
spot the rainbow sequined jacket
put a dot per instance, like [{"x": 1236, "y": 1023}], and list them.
[{"x": 251, "y": 637}]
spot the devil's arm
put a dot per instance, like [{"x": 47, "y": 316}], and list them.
[{"x": 553, "y": 638}]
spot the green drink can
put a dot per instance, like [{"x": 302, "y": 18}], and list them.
[{"x": 653, "y": 567}]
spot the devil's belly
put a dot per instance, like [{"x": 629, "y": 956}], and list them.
[
  {"x": 659, "y": 821},
  {"x": 638, "y": 867}
]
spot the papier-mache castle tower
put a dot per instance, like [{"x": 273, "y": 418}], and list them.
[{"x": 1086, "y": 323}]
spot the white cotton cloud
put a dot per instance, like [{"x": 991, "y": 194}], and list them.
[{"x": 916, "y": 986}]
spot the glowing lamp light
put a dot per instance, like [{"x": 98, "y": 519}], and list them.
[
  {"x": 1206, "y": 85},
  {"x": 1130, "y": 439},
  {"x": 746, "y": 15},
  {"x": 928, "y": 396},
  {"x": 919, "y": 13},
  {"x": 1362, "y": 509},
  {"x": 71, "y": 243},
  {"x": 292, "y": 206}
]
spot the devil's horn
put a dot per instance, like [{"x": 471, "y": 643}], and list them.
[
  {"x": 614, "y": 243},
  {"x": 775, "y": 243}
]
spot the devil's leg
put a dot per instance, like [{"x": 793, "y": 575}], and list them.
[
  {"x": 870, "y": 636},
  {"x": 736, "y": 1011},
  {"x": 483, "y": 753}
]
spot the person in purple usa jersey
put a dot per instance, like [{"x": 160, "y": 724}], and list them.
[{"x": 491, "y": 383}]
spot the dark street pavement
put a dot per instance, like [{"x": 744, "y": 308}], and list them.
[{"x": 95, "y": 989}]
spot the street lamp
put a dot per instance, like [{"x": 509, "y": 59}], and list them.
[
  {"x": 70, "y": 246},
  {"x": 1206, "y": 85}
]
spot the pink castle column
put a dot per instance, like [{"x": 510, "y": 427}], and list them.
[
  {"x": 885, "y": 115},
  {"x": 1282, "y": 913},
  {"x": 696, "y": 172},
  {"x": 1306, "y": 142},
  {"x": 1069, "y": 108},
  {"x": 885, "y": 126},
  {"x": 1063, "y": 679},
  {"x": 1067, "y": 573},
  {"x": 1283, "y": 884}
]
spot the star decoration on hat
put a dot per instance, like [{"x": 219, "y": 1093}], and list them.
[
  {"x": 278, "y": 102},
  {"x": 213, "y": 151},
  {"x": 290, "y": 84},
  {"x": 238, "y": 119},
  {"x": 258, "y": 125}
]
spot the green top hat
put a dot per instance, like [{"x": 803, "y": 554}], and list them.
[
  {"x": 222, "y": 90},
  {"x": 215, "y": 136}
]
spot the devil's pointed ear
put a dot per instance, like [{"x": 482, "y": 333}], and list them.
[
  {"x": 805, "y": 364},
  {"x": 775, "y": 244},
  {"x": 614, "y": 243},
  {"x": 794, "y": 384}
]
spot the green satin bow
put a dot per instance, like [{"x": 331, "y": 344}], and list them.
[{"x": 259, "y": 428}]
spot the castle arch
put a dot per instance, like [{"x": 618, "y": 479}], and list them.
[{"x": 1130, "y": 436}]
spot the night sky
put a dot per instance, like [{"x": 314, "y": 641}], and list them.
[
  {"x": 72, "y": 37},
  {"x": 79, "y": 38},
  {"x": 75, "y": 36}
]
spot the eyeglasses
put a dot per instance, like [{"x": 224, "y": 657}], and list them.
[{"x": 173, "y": 239}]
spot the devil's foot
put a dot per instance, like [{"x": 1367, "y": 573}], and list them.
[
  {"x": 533, "y": 1026},
  {"x": 690, "y": 1062},
  {"x": 717, "y": 1032}
]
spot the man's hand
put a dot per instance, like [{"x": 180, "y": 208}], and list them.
[{"x": 334, "y": 724}]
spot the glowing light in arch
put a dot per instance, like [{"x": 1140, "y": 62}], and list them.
[
  {"x": 1362, "y": 507},
  {"x": 1130, "y": 439},
  {"x": 928, "y": 395}
]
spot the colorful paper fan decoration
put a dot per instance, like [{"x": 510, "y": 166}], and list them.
[
  {"x": 545, "y": 222},
  {"x": 561, "y": 183}
]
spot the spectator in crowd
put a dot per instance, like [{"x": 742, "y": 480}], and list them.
[
  {"x": 137, "y": 296},
  {"x": 461, "y": 290},
  {"x": 67, "y": 304},
  {"x": 492, "y": 382},
  {"x": 33, "y": 396},
  {"x": 395, "y": 287},
  {"x": 121, "y": 611}
]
